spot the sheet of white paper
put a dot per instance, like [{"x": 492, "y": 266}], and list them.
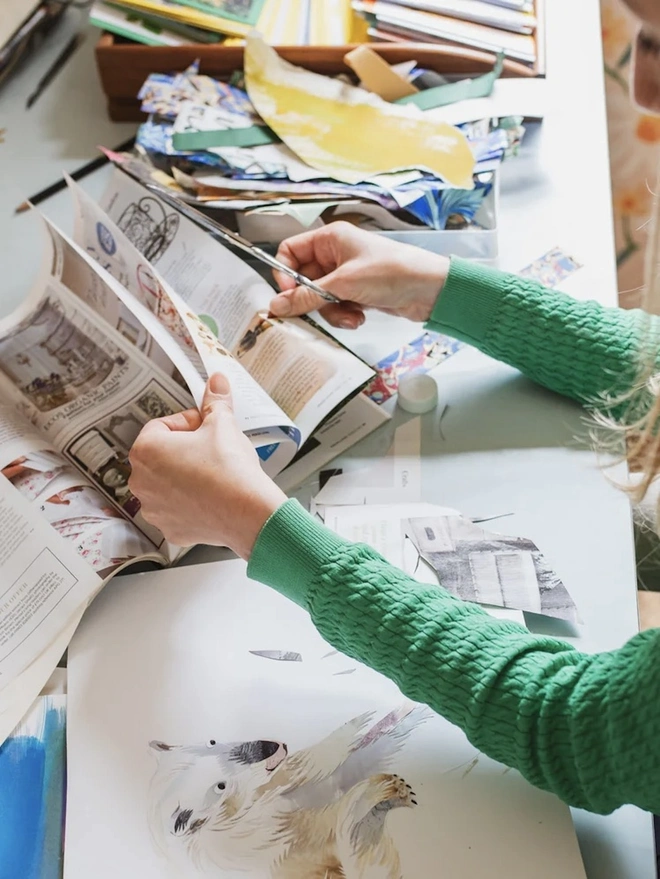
[
  {"x": 166, "y": 659},
  {"x": 380, "y": 526},
  {"x": 510, "y": 97},
  {"x": 56, "y": 684},
  {"x": 396, "y": 478},
  {"x": 17, "y": 697}
]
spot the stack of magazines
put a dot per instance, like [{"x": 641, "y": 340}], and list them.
[
  {"x": 509, "y": 26},
  {"x": 177, "y": 22}
]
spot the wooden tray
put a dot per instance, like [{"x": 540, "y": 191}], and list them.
[{"x": 123, "y": 66}]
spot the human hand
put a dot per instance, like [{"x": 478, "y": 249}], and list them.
[
  {"x": 199, "y": 479},
  {"x": 362, "y": 269}
]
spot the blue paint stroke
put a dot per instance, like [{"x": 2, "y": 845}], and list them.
[{"x": 32, "y": 798}]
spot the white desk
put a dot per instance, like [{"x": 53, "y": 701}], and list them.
[{"x": 555, "y": 193}]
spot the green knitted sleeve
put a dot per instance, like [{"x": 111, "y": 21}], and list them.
[
  {"x": 579, "y": 349},
  {"x": 584, "y": 727}
]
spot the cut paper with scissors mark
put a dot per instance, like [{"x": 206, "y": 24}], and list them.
[
  {"x": 279, "y": 655},
  {"x": 420, "y": 355},
  {"x": 489, "y": 568},
  {"x": 551, "y": 268},
  {"x": 348, "y": 132}
]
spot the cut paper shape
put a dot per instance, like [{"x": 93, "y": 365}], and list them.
[
  {"x": 377, "y": 76},
  {"x": 452, "y": 92},
  {"x": 489, "y": 568},
  {"x": 345, "y": 131},
  {"x": 255, "y": 135},
  {"x": 279, "y": 655},
  {"x": 551, "y": 268},
  {"x": 421, "y": 355}
]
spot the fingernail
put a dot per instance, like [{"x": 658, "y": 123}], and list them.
[
  {"x": 347, "y": 324},
  {"x": 218, "y": 384},
  {"x": 281, "y": 306}
]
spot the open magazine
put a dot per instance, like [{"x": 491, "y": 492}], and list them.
[{"x": 103, "y": 344}]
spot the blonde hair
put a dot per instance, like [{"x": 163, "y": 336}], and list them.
[{"x": 637, "y": 413}]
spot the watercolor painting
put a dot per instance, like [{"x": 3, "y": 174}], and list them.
[
  {"x": 319, "y": 813},
  {"x": 32, "y": 793}
]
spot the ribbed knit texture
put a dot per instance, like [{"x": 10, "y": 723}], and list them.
[
  {"x": 586, "y": 727},
  {"x": 579, "y": 349}
]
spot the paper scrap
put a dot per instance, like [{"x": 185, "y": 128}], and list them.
[
  {"x": 377, "y": 76},
  {"x": 489, "y": 568},
  {"x": 395, "y": 478},
  {"x": 279, "y": 655},
  {"x": 383, "y": 528},
  {"x": 345, "y": 131},
  {"x": 380, "y": 526},
  {"x": 452, "y": 92},
  {"x": 254, "y": 135},
  {"x": 421, "y": 355},
  {"x": 551, "y": 268}
]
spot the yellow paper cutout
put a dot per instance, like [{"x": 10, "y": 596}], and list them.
[{"x": 347, "y": 132}]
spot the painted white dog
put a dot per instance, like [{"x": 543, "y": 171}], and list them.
[{"x": 320, "y": 813}]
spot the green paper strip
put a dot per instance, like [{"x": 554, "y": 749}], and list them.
[
  {"x": 255, "y": 135},
  {"x": 453, "y": 92}
]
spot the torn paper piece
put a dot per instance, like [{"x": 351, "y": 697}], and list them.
[
  {"x": 345, "y": 131},
  {"x": 380, "y": 526},
  {"x": 421, "y": 355},
  {"x": 488, "y": 568},
  {"x": 376, "y": 75},
  {"x": 279, "y": 655},
  {"x": 396, "y": 478},
  {"x": 551, "y": 268}
]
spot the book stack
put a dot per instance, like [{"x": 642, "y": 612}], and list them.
[
  {"x": 181, "y": 22},
  {"x": 509, "y": 26}
]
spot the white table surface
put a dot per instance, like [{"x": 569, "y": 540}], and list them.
[{"x": 508, "y": 446}]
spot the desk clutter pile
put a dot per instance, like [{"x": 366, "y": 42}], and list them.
[
  {"x": 511, "y": 26},
  {"x": 222, "y": 147}
]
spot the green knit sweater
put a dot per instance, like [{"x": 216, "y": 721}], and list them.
[{"x": 586, "y": 727}]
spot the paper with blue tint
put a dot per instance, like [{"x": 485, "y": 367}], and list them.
[{"x": 32, "y": 793}]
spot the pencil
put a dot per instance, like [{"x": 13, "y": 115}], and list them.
[
  {"x": 55, "y": 68},
  {"x": 54, "y": 188}
]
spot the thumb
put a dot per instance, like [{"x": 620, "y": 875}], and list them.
[
  {"x": 217, "y": 396},
  {"x": 302, "y": 300}
]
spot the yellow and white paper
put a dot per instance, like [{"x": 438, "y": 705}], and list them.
[{"x": 347, "y": 132}]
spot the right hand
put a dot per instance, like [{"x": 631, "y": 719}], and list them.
[{"x": 362, "y": 269}]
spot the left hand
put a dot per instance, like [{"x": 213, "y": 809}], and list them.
[{"x": 199, "y": 479}]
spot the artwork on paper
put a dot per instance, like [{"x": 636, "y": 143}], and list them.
[
  {"x": 420, "y": 355},
  {"x": 488, "y": 568},
  {"x": 322, "y": 811},
  {"x": 32, "y": 793},
  {"x": 210, "y": 762},
  {"x": 551, "y": 268}
]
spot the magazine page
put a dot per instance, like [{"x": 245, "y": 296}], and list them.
[
  {"x": 180, "y": 339},
  {"x": 43, "y": 583},
  {"x": 303, "y": 369},
  {"x": 65, "y": 499},
  {"x": 86, "y": 390}
]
